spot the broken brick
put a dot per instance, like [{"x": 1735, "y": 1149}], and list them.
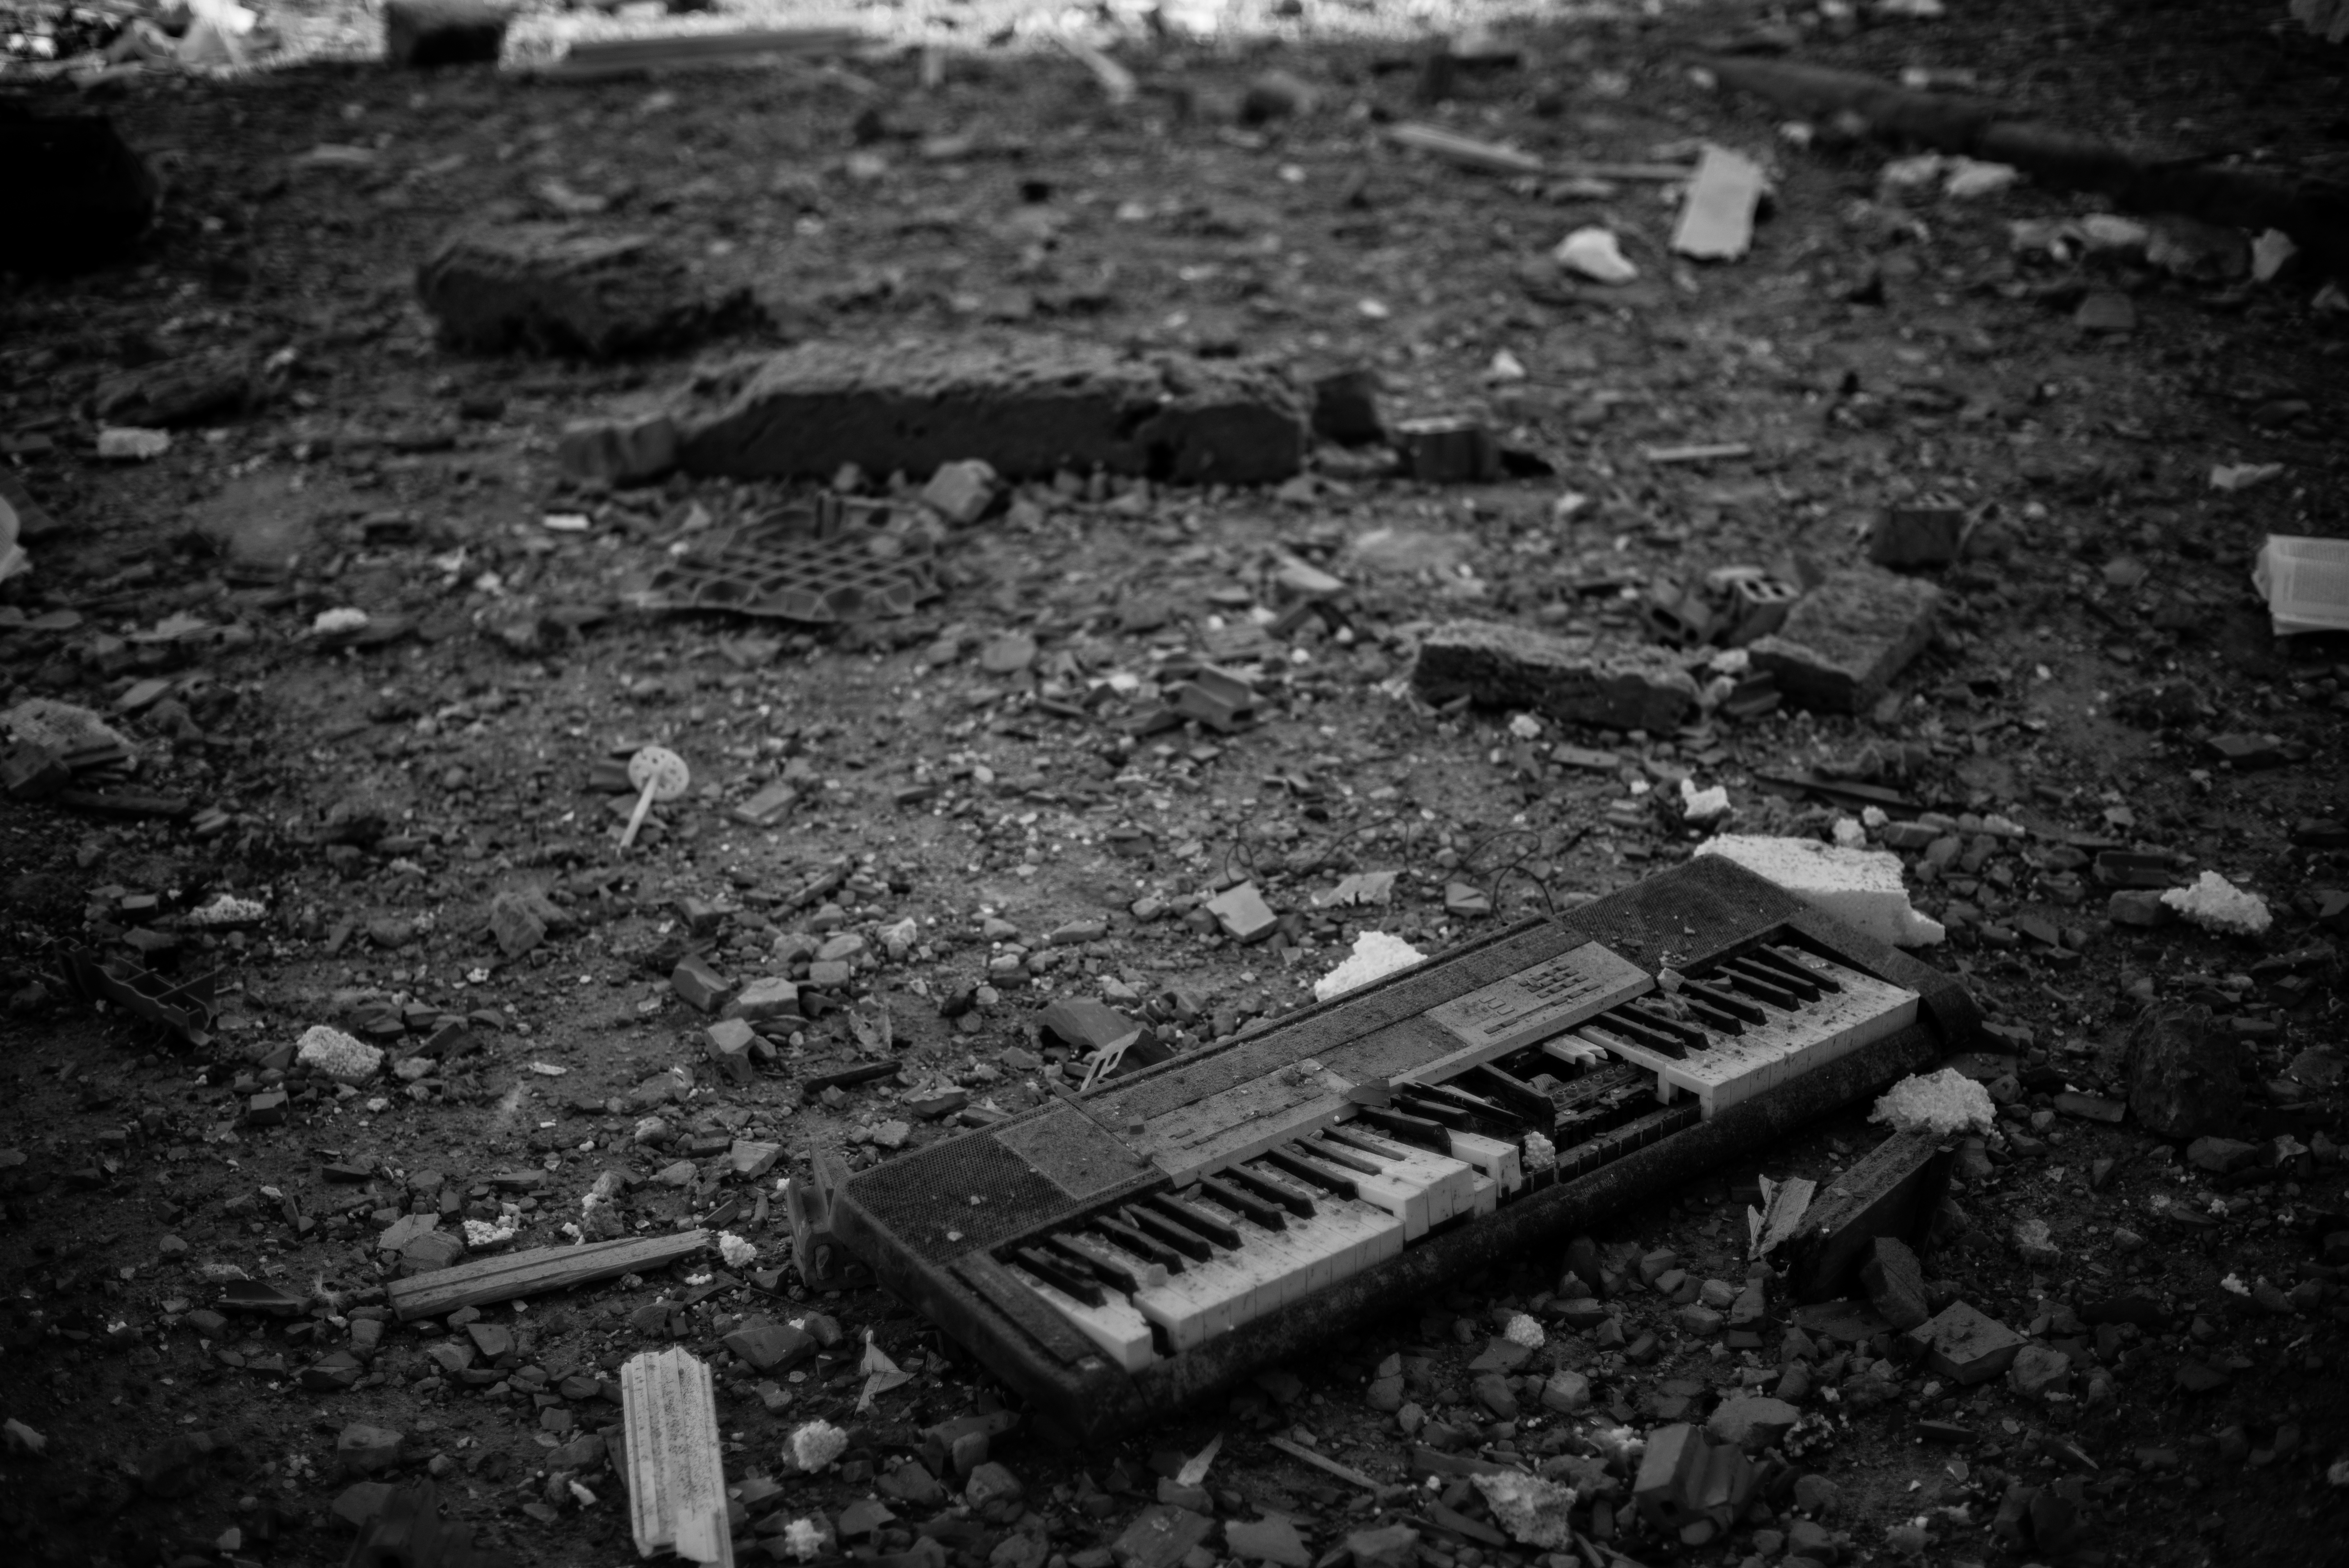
[
  {"x": 1243, "y": 913},
  {"x": 617, "y": 449},
  {"x": 1573, "y": 680},
  {"x": 766, "y": 1345},
  {"x": 1962, "y": 1343},
  {"x": 547, "y": 288},
  {"x": 701, "y": 986},
  {"x": 1845, "y": 639},
  {"x": 731, "y": 1041},
  {"x": 960, "y": 492},
  {"x": 1684, "y": 1480},
  {"x": 1030, "y": 409}
]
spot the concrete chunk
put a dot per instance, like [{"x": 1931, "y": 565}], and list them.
[
  {"x": 1861, "y": 887},
  {"x": 1845, "y": 639},
  {"x": 1029, "y": 409},
  {"x": 1576, "y": 680},
  {"x": 547, "y": 288}
]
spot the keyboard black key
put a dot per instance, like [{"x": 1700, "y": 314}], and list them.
[
  {"x": 1760, "y": 988},
  {"x": 1406, "y": 1128},
  {"x": 1193, "y": 1219},
  {"x": 1188, "y": 1242},
  {"x": 1273, "y": 1189},
  {"x": 1135, "y": 1240},
  {"x": 1099, "y": 1260},
  {"x": 1305, "y": 1168},
  {"x": 1061, "y": 1274},
  {"x": 1697, "y": 994},
  {"x": 1232, "y": 1196},
  {"x": 1781, "y": 958}
]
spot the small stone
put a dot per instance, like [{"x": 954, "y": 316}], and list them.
[
  {"x": 991, "y": 1482},
  {"x": 2183, "y": 1076},
  {"x": 2221, "y": 1156},
  {"x": 1396, "y": 1546},
  {"x": 2038, "y": 1371},
  {"x": 1817, "y": 1494},
  {"x": 1493, "y": 1392},
  {"x": 1268, "y": 1539},
  {"x": 422, "y": 33},
  {"x": 1699, "y": 1320},
  {"x": 1751, "y": 1421},
  {"x": 1163, "y": 1536},
  {"x": 1567, "y": 1392},
  {"x": 361, "y": 1448},
  {"x": 1964, "y": 1345},
  {"x": 1895, "y": 1281},
  {"x": 766, "y": 1345},
  {"x": 2138, "y": 907}
]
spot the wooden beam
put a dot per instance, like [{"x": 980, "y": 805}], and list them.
[
  {"x": 539, "y": 1271},
  {"x": 677, "y": 1475}
]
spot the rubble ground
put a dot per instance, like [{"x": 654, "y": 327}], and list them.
[{"x": 377, "y": 664}]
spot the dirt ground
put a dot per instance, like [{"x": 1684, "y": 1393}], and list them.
[{"x": 950, "y": 770}]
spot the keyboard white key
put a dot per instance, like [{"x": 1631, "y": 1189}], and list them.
[
  {"x": 1503, "y": 1163},
  {"x": 1121, "y": 1333},
  {"x": 1420, "y": 1188},
  {"x": 1736, "y": 1067}
]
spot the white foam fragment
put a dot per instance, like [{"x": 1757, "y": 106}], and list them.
[
  {"x": 2214, "y": 903},
  {"x": 338, "y": 1055},
  {"x": 1523, "y": 1330},
  {"x": 737, "y": 1251},
  {"x": 1859, "y": 887},
  {"x": 816, "y": 1445},
  {"x": 481, "y": 1234},
  {"x": 1375, "y": 956},
  {"x": 340, "y": 621},
  {"x": 802, "y": 1540},
  {"x": 1947, "y": 1101}
]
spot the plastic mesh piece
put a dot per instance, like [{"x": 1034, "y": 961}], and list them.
[{"x": 822, "y": 565}]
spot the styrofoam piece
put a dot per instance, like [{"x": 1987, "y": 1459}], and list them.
[
  {"x": 1375, "y": 956},
  {"x": 1947, "y": 1101},
  {"x": 1860, "y": 887},
  {"x": 2214, "y": 903}
]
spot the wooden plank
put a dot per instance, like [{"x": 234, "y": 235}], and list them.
[
  {"x": 1716, "y": 222},
  {"x": 677, "y": 1475},
  {"x": 1323, "y": 1462},
  {"x": 1493, "y": 158},
  {"x": 594, "y": 59},
  {"x": 536, "y": 1272}
]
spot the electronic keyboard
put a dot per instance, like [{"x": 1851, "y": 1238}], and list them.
[{"x": 1114, "y": 1253}]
